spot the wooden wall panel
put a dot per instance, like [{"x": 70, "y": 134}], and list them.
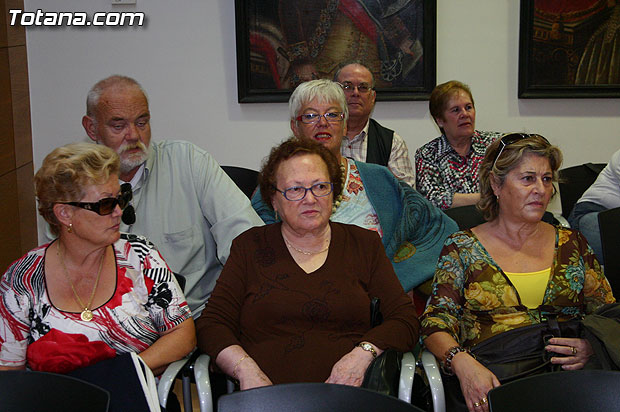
[
  {"x": 10, "y": 237},
  {"x": 11, "y": 35},
  {"x": 7, "y": 154},
  {"x": 20, "y": 96},
  {"x": 18, "y": 228}
]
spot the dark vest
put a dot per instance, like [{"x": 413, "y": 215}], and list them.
[{"x": 379, "y": 143}]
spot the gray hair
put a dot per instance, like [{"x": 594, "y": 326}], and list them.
[
  {"x": 94, "y": 94},
  {"x": 323, "y": 90},
  {"x": 354, "y": 62}
]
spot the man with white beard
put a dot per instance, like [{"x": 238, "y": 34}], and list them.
[{"x": 184, "y": 202}]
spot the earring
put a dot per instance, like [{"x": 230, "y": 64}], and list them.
[{"x": 70, "y": 228}]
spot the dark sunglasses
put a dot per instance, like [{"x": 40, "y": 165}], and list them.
[
  {"x": 107, "y": 205},
  {"x": 512, "y": 138}
]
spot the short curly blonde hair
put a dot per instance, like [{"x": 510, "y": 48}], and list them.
[
  {"x": 67, "y": 171},
  {"x": 496, "y": 167}
]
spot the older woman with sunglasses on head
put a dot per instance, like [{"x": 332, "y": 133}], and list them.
[
  {"x": 512, "y": 271},
  {"x": 93, "y": 293},
  {"x": 293, "y": 301}
]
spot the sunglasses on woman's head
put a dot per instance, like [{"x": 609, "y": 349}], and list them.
[
  {"x": 512, "y": 138},
  {"x": 106, "y": 206}
]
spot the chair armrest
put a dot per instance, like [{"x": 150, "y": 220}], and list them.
[
  {"x": 166, "y": 381},
  {"x": 431, "y": 368},
  {"x": 407, "y": 373},
  {"x": 203, "y": 383}
]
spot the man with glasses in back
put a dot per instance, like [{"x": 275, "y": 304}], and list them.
[
  {"x": 366, "y": 140},
  {"x": 184, "y": 202}
]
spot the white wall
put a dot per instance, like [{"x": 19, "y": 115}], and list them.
[{"x": 185, "y": 59}]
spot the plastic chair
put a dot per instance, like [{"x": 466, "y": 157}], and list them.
[
  {"x": 245, "y": 179},
  {"x": 199, "y": 366},
  {"x": 200, "y": 369},
  {"x": 429, "y": 364},
  {"x": 195, "y": 366},
  {"x": 465, "y": 216},
  {"x": 28, "y": 391},
  {"x": 575, "y": 391},
  {"x": 574, "y": 181},
  {"x": 300, "y": 397},
  {"x": 609, "y": 227}
]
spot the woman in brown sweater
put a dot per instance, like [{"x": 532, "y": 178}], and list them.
[{"x": 293, "y": 301}]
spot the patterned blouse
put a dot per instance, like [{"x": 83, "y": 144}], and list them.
[
  {"x": 472, "y": 299},
  {"x": 359, "y": 210},
  {"x": 441, "y": 171},
  {"x": 146, "y": 303}
]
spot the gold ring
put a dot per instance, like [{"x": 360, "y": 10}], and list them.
[
  {"x": 574, "y": 350},
  {"x": 484, "y": 400},
  {"x": 476, "y": 405}
]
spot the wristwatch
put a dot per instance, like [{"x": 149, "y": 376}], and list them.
[{"x": 368, "y": 347}]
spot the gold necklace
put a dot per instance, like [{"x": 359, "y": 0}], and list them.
[
  {"x": 305, "y": 252},
  {"x": 87, "y": 314},
  {"x": 343, "y": 176}
]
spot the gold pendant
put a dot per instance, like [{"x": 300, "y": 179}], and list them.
[{"x": 86, "y": 315}]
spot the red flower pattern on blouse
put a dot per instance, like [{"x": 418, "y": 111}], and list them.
[
  {"x": 61, "y": 352},
  {"x": 354, "y": 182}
]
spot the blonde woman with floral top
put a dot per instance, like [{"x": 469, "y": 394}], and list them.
[{"x": 503, "y": 274}]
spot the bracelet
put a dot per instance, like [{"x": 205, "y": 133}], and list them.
[
  {"x": 234, "y": 372},
  {"x": 446, "y": 365}
]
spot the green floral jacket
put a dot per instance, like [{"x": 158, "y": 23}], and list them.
[{"x": 472, "y": 299}]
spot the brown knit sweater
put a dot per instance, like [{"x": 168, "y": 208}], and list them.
[{"x": 297, "y": 325}]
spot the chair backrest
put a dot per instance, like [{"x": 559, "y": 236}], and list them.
[
  {"x": 469, "y": 216},
  {"x": 574, "y": 181},
  {"x": 306, "y": 397},
  {"x": 465, "y": 216},
  {"x": 27, "y": 391},
  {"x": 245, "y": 179},
  {"x": 574, "y": 391},
  {"x": 609, "y": 226}
]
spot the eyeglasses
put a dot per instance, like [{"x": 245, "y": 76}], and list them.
[
  {"x": 349, "y": 87},
  {"x": 330, "y": 117},
  {"x": 512, "y": 138},
  {"x": 297, "y": 193},
  {"x": 106, "y": 206}
]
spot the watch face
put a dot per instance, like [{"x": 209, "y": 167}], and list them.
[{"x": 368, "y": 347}]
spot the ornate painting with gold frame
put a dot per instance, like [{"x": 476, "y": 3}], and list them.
[
  {"x": 569, "y": 48},
  {"x": 281, "y": 43}
]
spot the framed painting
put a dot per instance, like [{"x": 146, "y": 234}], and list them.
[
  {"x": 281, "y": 43},
  {"x": 569, "y": 48}
]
